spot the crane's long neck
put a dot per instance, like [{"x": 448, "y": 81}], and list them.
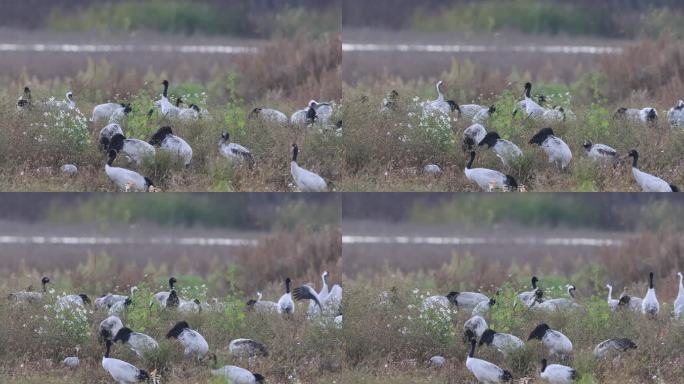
[
  {"x": 681, "y": 286},
  {"x": 635, "y": 158},
  {"x": 472, "y": 350},
  {"x": 610, "y": 292},
  {"x": 258, "y": 296},
  {"x": 440, "y": 95},
  {"x": 109, "y": 345},
  {"x": 166, "y": 90},
  {"x": 287, "y": 286},
  {"x": 534, "y": 283},
  {"x": 45, "y": 288},
  {"x": 317, "y": 300},
  {"x": 470, "y": 161},
  {"x": 650, "y": 281},
  {"x": 325, "y": 283}
]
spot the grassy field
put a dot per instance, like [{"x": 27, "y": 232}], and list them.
[
  {"x": 387, "y": 151},
  {"x": 393, "y": 341},
  {"x": 295, "y": 345},
  {"x": 35, "y": 145}
]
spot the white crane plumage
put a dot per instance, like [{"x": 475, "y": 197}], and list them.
[
  {"x": 648, "y": 182},
  {"x": 650, "y": 305},
  {"x": 121, "y": 371},
  {"x": 305, "y": 180},
  {"x": 285, "y": 303},
  {"x": 195, "y": 344},
  {"x": 484, "y": 371},
  {"x": 125, "y": 179}
]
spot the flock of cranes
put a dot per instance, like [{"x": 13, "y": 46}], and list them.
[
  {"x": 477, "y": 332},
  {"x": 557, "y": 151},
  {"x": 325, "y": 306},
  {"x": 112, "y": 138},
  {"x": 113, "y": 142}
]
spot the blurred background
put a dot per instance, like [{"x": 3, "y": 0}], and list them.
[
  {"x": 257, "y": 19},
  {"x": 449, "y": 238},
  {"x": 228, "y": 46},
  {"x": 243, "y": 240},
  {"x": 485, "y": 44},
  {"x": 610, "y": 18}
]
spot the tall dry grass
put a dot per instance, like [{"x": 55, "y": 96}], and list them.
[
  {"x": 661, "y": 253},
  {"x": 650, "y": 72},
  {"x": 302, "y": 68},
  {"x": 300, "y": 253}
]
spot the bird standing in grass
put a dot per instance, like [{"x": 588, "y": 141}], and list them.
[
  {"x": 558, "y": 304},
  {"x": 650, "y": 305},
  {"x": 135, "y": 150},
  {"x": 72, "y": 301},
  {"x": 613, "y": 347},
  {"x": 174, "y": 145},
  {"x": 246, "y": 348},
  {"x": 237, "y": 375},
  {"x": 305, "y": 180},
  {"x": 646, "y": 115},
  {"x": 262, "y": 306},
  {"x": 675, "y": 116},
  {"x": 557, "y": 374},
  {"x": 234, "y": 152},
  {"x": 473, "y": 135},
  {"x": 121, "y": 371},
  {"x": 600, "y": 152},
  {"x": 285, "y": 303},
  {"x": 194, "y": 343},
  {"x": 631, "y": 302},
  {"x": 532, "y": 109},
  {"x": 482, "y": 308},
  {"x": 679, "y": 301},
  {"x": 139, "y": 343},
  {"x": 527, "y": 296},
  {"x": 489, "y": 179},
  {"x": 612, "y": 303},
  {"x": 30, "y": 296},
  {"x": 271, "y": 115},
  {"x": 557, "y": 343},
  {"x": 503, "y": 342},
  {"x": 109, "y": 327},
  {"x": 440, "y": 301},
  {"x": 504, "y": 149},
  {"x": 305, "y": 292},
  {"x": 440, "y": 104},
  {"x": 558, "y": 152},
  {"x": 125, "y": 179},
  {"x": 474, "y": 328},
  {"x": 162, "y": 297},
  {"x": 72, "y": 361},
  {"x": 25, "y": 101},
  {"x": 648, "y": 182},
  {"x": 484, "y": 371}
]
